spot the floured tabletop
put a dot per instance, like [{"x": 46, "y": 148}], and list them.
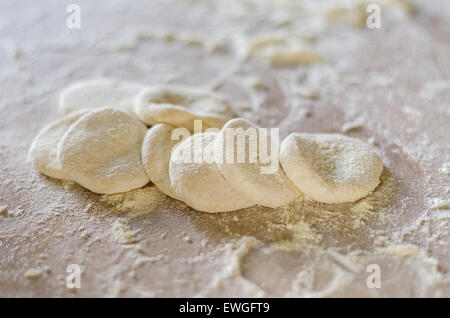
[{"x": 388, "y": 86}]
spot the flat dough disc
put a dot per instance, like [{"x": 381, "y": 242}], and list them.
[
  {"x": 156, "y": 152},
  {"x": 272, "y": 189},
  {"x": 199, "y": 182},
  {"x": 331, "y": 168},
  {"x": 99, "y": 93},
  {"x": 180, "y": 106},
  {"x": 102, "y": 152},
  {"x": 44, "y": 149}
]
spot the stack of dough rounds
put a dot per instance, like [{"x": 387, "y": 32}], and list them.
[
  {"x": 102, "y": 152},
  {"x": 331, "y": 168},
  {"x": 44, "y": 149},
  {"x": 199, "y": 182},
  {"x": 110, "y": 150},
  {"x": 273, "y": 189},
  {"x": 180, "y": 106},
  {"x": 100, "y": 93},
  {"x": 156, "y": 152}
]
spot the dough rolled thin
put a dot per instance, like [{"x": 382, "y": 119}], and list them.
[
  {"x": 43, "y": 152},
  {"x": 180, "y": 106},
  {"x": 102, "y": 152},
  {"x": 331, "y": 168},
  {"x": 156, "y": 152},
  {"x": 99, "y": 93},
  {"x": 195, "y": 177},
  {"x": 246, "y": 175}
]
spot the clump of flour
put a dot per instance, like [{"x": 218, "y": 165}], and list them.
[
  {"x": 136, "y": 202},
  {"x": 122, "y": 231}
]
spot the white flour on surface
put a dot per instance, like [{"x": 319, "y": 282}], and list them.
[{"x": 301, "y": 250}]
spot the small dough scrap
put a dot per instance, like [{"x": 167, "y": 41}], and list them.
[
  {"x": 282, "y": 49},
  {"x": 43, "y": 152},
  {"x": 271, "y": 189},
  {"x": 195, "y": 177},
  {"x": 353, "y": 15},
  {"x": 157, "y": 149},
  {"x": 331, "y": 168},
  {"x": 102, "y": 152},
  {"x": 99, "y": 93},
  {"x": 180, "y": 106}
]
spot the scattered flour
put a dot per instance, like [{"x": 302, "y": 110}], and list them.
[
  {"x": 123, "y": 232},
  {"x": 304, "y": 220},
  {"x": 136, "y": 202}
]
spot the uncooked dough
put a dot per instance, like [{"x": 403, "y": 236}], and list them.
[
  {"x": 102, "y": 152},
  {"x": 283, "y": 49},
  {"x": 180, "y": 106},
  {"x": 199, "y": 182},
  {"x": 99, "y": 93},
  {"x": 156, "y": 152},
  {"x": 331, "y": 168},
  {"x": 272, "y": 189},
  {"x": 44, "y": 149}
]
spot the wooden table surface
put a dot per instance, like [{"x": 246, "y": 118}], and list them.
[{"x": 393, "y": 82}]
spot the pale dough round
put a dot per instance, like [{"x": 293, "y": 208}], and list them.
[
  {"x": 331, "y": 168},
  {"x": 99, "y": 93},
  {"x": 272, "y": 189},
  {"x": 199, "y": 182},
  {"x": 156, "y": 152},
  {"x": 102, "y": 152},
  {"x": 43, "y": 152},
  {"x": 180, "y": 106}
]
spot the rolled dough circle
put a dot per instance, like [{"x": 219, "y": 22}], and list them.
[
  {"x": 199, "y": 182},
  {"x": 331, "y": 168},
  {"x": 99, "y": 93},
  {"x": 180, "y": 106},
  {"x": 156, "y": 152},
  {"x": 43, "y": 152},
  {"x": 271, "y": 189},
  {"x": 102, "y": 152}
]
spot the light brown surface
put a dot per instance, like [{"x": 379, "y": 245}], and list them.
[{"x": 377, "y": 76}]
